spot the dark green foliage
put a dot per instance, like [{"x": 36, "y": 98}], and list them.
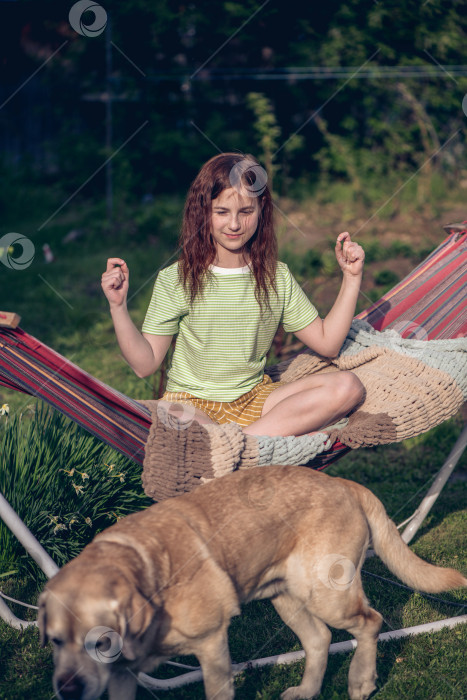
[
  {"x": 386, "y": 277},
  {"x": 65, "y": 485},
  {"x": 187, "y": 70},
  {"x": 305, "y": 266}
]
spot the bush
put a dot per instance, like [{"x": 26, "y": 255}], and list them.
[
  {"x": 385, "y": 277},
  {"x": 401, "y": 250},
  {"x": 64, "y": 484},
  {"x": 304, "y": 266}
]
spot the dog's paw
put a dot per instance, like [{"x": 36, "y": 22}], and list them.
[
  {"x": 363, "y": 690},
  {"x": 297, "y": 693}
]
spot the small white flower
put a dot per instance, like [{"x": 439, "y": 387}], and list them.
[
  {"x": 4, "y": 410},
  {"x": 78, "y": 489}
]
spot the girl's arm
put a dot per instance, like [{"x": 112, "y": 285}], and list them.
[
  {"x": 327, "y": 336},
  {"x": 144, "y": 353}
]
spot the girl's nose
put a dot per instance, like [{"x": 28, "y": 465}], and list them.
[{"x": 234, "y": 223}]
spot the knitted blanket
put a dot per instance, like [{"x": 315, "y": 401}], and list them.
[{"x": 411, "y": 386}]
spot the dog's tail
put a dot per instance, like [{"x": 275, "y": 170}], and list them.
[{"x": 391, "y": 548}]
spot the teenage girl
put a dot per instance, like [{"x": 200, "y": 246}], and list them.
[{"x": 225, "y": 299}]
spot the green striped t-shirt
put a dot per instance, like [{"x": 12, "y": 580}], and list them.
[{"x": 223, "y": 338}]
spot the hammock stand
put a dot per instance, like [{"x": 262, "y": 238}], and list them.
[{"x": 430, "y": 303}]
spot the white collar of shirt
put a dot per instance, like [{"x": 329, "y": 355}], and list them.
[{"x": 229, "y": 270}]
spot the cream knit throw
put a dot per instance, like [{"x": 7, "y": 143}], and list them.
[{"x": 411, "y": 386}]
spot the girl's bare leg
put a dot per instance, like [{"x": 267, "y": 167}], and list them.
[{"x": 308, "y": 404}]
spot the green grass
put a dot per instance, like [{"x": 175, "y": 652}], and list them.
[
  {"x": 65, "y": 308},
  {"x": 427, "y": 666}
]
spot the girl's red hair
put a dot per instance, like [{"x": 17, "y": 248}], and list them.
[{"x": 198, "y": 248}]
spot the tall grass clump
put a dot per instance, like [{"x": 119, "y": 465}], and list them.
[{"x": 65, "y": 485}]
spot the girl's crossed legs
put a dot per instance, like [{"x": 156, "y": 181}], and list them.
[
  {"x": 308, "y": 404},
  {"x": 300, "y": 407}
]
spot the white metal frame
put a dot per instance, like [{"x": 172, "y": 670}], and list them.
[{"x": 443, "y": 475}]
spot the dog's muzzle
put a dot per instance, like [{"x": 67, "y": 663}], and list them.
[{"x": 70, "y": 688}]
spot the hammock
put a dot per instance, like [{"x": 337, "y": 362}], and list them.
[{"x": 430, "y": 303}]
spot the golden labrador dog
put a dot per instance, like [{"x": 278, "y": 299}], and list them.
[{"x": 166, "y": 582}]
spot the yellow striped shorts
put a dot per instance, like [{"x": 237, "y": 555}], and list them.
[{"x": 244, "y": 410}]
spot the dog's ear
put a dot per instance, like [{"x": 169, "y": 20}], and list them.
[
  {"x": 137, "y": 617},
  {"x": 42, "y": 619}
]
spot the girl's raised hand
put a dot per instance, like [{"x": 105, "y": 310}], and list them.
[
  {"x": 115, "y": 281},
  {"x": 350, "y": 255}
]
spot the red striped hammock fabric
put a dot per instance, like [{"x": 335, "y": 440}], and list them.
[{"x": 430, "y": 303}]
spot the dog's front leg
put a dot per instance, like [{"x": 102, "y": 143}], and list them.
[
  {"x": 122, "y": 684},
  {"x": 214, "y": 658}
]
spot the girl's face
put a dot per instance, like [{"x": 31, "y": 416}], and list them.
[{"x": 234, "y": 221}]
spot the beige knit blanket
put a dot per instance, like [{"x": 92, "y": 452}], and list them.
[
  {"x": 411, "y": 386},
  {"x": 404, "y": 397}
]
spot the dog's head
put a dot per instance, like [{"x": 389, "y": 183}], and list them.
[{"x": 95, "y": 619}]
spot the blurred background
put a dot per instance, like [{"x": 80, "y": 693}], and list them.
[{"x": 350, "y": 91}]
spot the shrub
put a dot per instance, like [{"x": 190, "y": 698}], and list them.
[
  {"x": 65, "y": 484},
  {"x": 385, "y": 277}
]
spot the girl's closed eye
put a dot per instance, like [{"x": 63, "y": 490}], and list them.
[{"x": 222, "y": 212}]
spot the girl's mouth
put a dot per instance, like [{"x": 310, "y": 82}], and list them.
[{"x": 233, "y": 235}]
